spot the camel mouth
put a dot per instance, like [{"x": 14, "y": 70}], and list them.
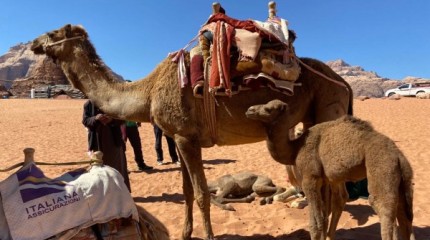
[
  {"x": 37, "y": 48},
  {"x": 251, "y": 113}
]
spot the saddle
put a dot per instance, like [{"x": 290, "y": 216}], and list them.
[{"x": 234, "y": 55}]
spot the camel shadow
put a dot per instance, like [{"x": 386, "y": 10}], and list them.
[
  {"x": 158, "y": 170},
  {"x": 165, "y": 197},
  {"x": 300, "y": 234},
  {"x": 371, "y": 232},
  {"x": 218, "y": 161},
  {"x": 360, "y": 212}
]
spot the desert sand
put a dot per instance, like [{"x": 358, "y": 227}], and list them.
[{"x": 54, "y": 129}]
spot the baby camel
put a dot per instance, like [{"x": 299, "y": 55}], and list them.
[
  {"x": 242, "y": 187},
  {"x": 331, "y": 153}
]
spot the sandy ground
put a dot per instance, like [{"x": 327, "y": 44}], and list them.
[{"x": 54, "y": 129}]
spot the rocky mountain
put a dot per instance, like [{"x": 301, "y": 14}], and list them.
[
  {"x": 21, "y": 70},
  {"x": 367, "y": 83}
]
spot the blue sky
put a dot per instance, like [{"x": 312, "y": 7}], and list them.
[{"x": 390, "y": 37}]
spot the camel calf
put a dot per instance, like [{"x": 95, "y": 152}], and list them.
[
  {"x": 242, "y": 187},
  {"x": 346, "y": 149}
]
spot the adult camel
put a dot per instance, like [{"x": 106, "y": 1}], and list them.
[{"x": 179, "y": 114}]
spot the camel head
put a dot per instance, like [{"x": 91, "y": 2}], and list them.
[
  {"x": 59, "y": 44},
  {"x": 267, "y": 113}
]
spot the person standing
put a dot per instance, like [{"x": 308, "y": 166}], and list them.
[
  {"x": 159, "y": 148},
  {"x": 104, "y": 134},
  {"x": 132, "y": 134}
]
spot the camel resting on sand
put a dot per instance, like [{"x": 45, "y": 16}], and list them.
[
  {"x": 242, "y": 187},
  {"x": 346, "y": 149}
]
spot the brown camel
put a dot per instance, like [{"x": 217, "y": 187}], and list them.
[
  {"x": 242, "y": 187},
  {"x": 179, "y": 114},
  {"x": 332, "y": 153}
]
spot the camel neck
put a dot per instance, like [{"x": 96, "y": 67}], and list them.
[{"x": 92, "y": 77}]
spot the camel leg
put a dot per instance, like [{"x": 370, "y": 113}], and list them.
[
  {"x": 384, "y": 202},
  {"x": 327, "y": 204},
  {"x": 267, "y": 189},
  {"x": 287, "y": 195},
  {"x": 220, "y": 197},
  {"x": 187, "y": 188},
  {"x": 246, "y": 199},
  {"x": 312, "y": 188},
  {"x": 191, "y": 152},
  {"x": 339, "y": 197}
]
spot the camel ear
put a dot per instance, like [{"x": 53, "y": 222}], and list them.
[
  {"x": 68, "y": 30},
  {"x": 280, "y": 105},
  {"x": 283, "y": 107},
  {"x": 79, "y": 30}
]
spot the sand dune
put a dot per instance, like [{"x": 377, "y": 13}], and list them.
[{"x": 54, "y": 129}]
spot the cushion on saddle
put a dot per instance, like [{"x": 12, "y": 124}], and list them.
[
  {"x": 77, "y": 199},
  {"x": 239, "y": 43}
]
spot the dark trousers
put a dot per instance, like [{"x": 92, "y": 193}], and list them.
[
  {"x": 134, "y": 138},
  {"x": 159, "y": 148}
]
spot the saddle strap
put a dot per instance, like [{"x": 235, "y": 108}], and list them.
[{"x": 209, "y": 103}]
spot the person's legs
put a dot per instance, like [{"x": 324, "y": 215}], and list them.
[
  {"x": 134, "y": 137},
  {"x": 172, "y": 149},
  {"x": 135, "y": 141},
  {"x": 158, "y": 145}
]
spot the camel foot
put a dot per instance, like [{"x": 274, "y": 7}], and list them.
[
  {"x": 288, "y": 195},
  {"x": 299, "y": 203},
  {"x": 266, "y": 200},
  {"x": 228, "y": 207},
  {"x": 249, "y": 199}
]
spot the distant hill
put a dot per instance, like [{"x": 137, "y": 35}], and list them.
[
  {"x": 21, "y": 70},
  {"x": 367, "y": 83}
]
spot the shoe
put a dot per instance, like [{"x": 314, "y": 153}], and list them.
[
  {"x": 145, "y": 167},
  {"x": 177, "y": 163},
  {"x": 159, "y": 163}
]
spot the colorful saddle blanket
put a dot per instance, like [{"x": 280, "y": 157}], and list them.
[{"x": 242, "y": 51}]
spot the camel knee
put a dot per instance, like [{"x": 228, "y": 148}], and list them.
[{"x": 202, "y": 200}]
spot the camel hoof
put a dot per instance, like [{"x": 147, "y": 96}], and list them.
[
  {"x": 299, "y": 203},
  {"x": 263, "y": 201},
  {"x": 250, "y": 199},
  {"x": 229, "y": 208}
]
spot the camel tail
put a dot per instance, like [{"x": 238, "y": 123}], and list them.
[
  {"x": 405, "y": 213},
  {"x": 406, "y": 185}
]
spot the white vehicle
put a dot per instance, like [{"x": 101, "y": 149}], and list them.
[{"x": 409, "y": 89}]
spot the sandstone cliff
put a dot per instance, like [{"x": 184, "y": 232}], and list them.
[
  {"x": 21, "y": 70},
  {"x": 367, "y": 83}
]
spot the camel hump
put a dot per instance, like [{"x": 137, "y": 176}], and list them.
[{"x": 361, "y": 124}]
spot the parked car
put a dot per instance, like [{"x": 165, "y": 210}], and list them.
[{"x": 409, "y": 89}]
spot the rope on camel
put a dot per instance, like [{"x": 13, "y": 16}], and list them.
[
  {"x": 91, "y": 162},
  {"x": 320, "y": 74}
]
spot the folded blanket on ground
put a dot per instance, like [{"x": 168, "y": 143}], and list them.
[{"x": 36, "y": 207}]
